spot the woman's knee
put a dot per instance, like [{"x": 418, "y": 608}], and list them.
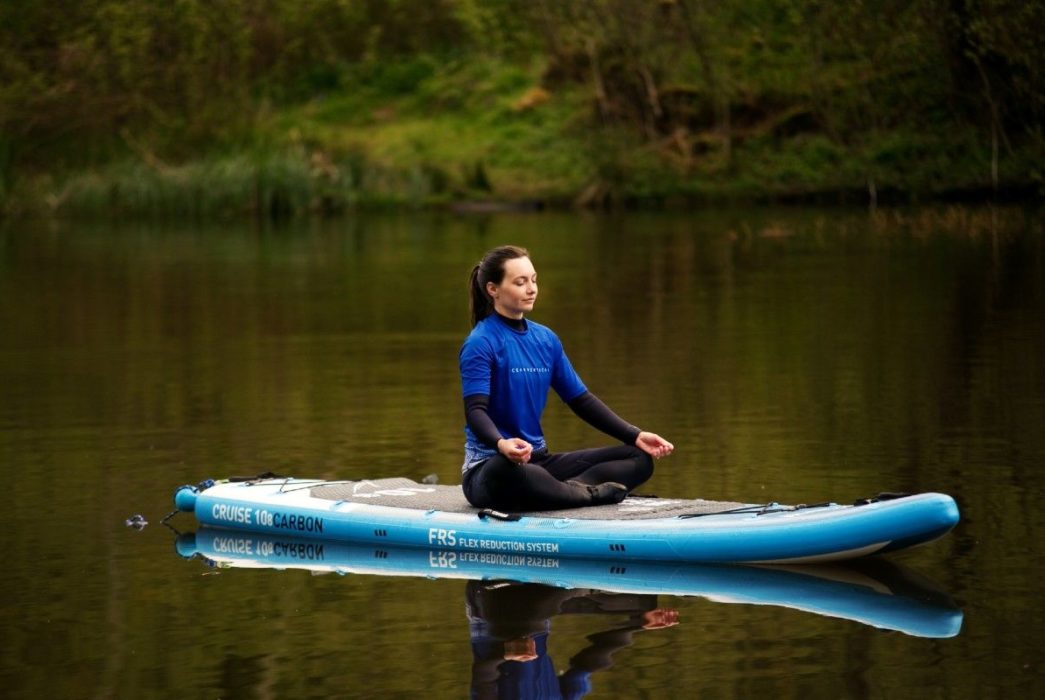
[
  {"x": 487, "y": 484},
  {"x": 643, "y": 466},
  {"x": 497, "y": 466}
]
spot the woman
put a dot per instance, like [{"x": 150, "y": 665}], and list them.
[{"x": 508, "y": 363}]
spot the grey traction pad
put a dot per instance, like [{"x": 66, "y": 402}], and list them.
[{"x": 405, "y": 493}]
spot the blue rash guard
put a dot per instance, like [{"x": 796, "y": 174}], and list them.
[{"x": 515, "y": 368}]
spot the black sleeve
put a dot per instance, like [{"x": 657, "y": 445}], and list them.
[
  {"x": 599, "y": 416},
  {"x": 477, "y": 416},
  {"x": 597, "y": 655}
]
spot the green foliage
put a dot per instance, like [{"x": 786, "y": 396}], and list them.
[
  {"x": 401, "y": 77},
  {"x": 428, "y": 100}
]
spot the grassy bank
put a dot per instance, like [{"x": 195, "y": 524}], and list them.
[{"x": 422, "y": 133}]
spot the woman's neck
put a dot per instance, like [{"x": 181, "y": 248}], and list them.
[{"x": 518, "y": 324}]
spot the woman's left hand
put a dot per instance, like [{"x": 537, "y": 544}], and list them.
[{"x": 653, "y": 445}]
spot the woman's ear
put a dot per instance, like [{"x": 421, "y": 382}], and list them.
[{"x": 491, "y": 290}]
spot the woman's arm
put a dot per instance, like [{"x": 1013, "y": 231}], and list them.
[
  {"x": 599, "y": 416},
  {"x": 477, "y": 415}
]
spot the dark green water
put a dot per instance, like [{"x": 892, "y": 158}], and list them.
[{"x": 791, "y": 355}]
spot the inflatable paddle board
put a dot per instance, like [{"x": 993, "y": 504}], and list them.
[{"x": 399, "y": 512}]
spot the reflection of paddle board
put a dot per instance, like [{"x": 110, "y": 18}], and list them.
[
  {"x": 403, "y": 513},
  {"x": 876, "y": 593}
]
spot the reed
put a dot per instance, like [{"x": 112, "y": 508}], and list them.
[{"x": 269, "y": 185}]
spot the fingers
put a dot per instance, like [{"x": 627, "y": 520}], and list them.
[
  {"x": 662, "y": 443},
  {"x": 517, "y": 450},
  {"x": 524, "y": 650},
  {"x": 660, "y": 449},
  {"x": 521, "y": 451},
  {"x": 654, "y": 445},
  {"x": 661, "y": 618}
]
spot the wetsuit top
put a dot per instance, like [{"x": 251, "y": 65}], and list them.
[
  {"x": 526, "y": 680},
  {"x": 514, "y": 367},
  {"x": 498, "y": 613}
]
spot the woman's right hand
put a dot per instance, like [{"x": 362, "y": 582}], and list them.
[{"x": 515, "y": 449}]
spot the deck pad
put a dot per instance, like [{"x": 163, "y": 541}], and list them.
[{"x": 406, "y": 493}]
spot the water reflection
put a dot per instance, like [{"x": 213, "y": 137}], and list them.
[
  {"x": 510, "y": 623},
  {"x": 874, "y": 592}
]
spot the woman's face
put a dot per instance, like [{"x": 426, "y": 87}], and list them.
[{"x": 516, "y": 293}]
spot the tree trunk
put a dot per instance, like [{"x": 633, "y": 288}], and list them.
[
  {"x": 723, "y": 122},
  {"x": 600, "y": 87}
]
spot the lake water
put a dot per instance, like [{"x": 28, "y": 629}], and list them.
[{"x": 792, "y": 355}]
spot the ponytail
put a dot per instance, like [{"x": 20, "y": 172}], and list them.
[
  {"x": 489, "y": 269},
  {"x": 479, "y": 302}
]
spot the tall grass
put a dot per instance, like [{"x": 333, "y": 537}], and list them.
[{"x": 270, "y": 185}]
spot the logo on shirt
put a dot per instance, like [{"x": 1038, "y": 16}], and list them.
[{"x": 540, "y": 370}]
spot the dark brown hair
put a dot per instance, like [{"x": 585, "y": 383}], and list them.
[{"x": 489, "y": 269}]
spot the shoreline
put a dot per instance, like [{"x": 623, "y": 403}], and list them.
[{"x": 202, "y": 192}]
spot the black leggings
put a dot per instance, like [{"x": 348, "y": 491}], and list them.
[{"x": 540, "y": 484}]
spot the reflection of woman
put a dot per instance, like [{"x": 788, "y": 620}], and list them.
[
  {"x": 508, "y": 364},
  {"x": 510, "y": 623}
]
